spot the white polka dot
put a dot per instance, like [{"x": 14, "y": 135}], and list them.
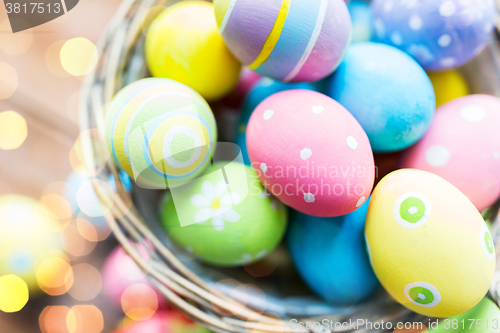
[
  {"x": 309, "y": 197},
  {"x": 437, "y": 156},
  {"x": 379, "y": 28},
  {"x": 412, "y": 210},
  {"x": 415, "y": 22},
  {"x": 388, "y": 6},
  {"x": 263, "y": 167},
  {"x": 421, "y": 296},
  {"x": 317, "y": 109},
  {"x": 448, "y": 62},
  {"x": 360, "y": 202},
  {"x": 444, "y": 40},
  {"x": 305, "y": 153},
  {"x": 264, "y": 194},
  {"x": 447, "y": 9},
  {"x": 352, "y": 142},
  {"x": 496, "y": 155},
  {"x": 473, "y": 113},
  {"x": 268, "y": 114},
  {"x": 246, "y": 257},
  {"x": 396, "y": 38}
]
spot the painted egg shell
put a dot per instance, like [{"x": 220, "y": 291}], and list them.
[
  {"x": 484, "y": 317},
  {"x": 362, "y": 20},
  {"x": 429, "y": 246},
  {"x": 30, "y": 245},
  {"x": 160, "y": 132},
  {"x": 463, "y": 146},
  {"x": 311, "y": 153},
  {"x": 448, "y": 85},
  {"x": 259, "y": 92},
  {"x": 330, "y": 255},
  {"x": 226, "y": 224},
  {"x": 292, "y": 41},
  {"x": 440, "y": 34},
  {"x": 122, "y": 279},
  {"x": 387, "y": 91},
  {"x": 183, "y": 44}
]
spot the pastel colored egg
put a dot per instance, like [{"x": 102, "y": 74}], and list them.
[
  {"x": 259, "y": 92},
  {"x": 448, "y": 85},
  {"x": 28, "y": 238},
  {"x": 292, "y": 41},
  {"x": 311, "y": 153},
  {"x": 362, "y": 20},
  {"x": 484, "y": 317},
  {"x": 331, "y": 257},
  {"x": 387, "y": 91},
  {"x": 439, "y": 34},
  {"x": 183, "y": 44},
  {"x": 463, "y": 146},
  {"x": 160, "y": 132},
  {"x": 120, "y": 272},
  {"x": 429, "y": 246},
  {"x": 225, "y": 223},
  {"x": 164, "y": 322}
]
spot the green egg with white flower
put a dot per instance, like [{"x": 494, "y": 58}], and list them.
[{"x": 225, "y": 217}]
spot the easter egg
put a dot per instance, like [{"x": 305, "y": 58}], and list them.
[
  {"x": 292, "y": 41},
  {"x": 463, "y": 146},
  {"x": 164, "y": 322},
  {"x": 259, "y": 92},
  {"x": 484, "y": 317},
  {"x": 387, "y": 91},
  {"x": 439, "y": 34},
  {"x": 121, "y": 275},
  {"x": 225, "y": 224},
  {"x": 29, "y": 240},
  {"x": 311, "y": 153},
  {"x": 160, "y": 132},
  {"x": 448, "y": 85},
  {"x": 330, "y": 256},
  {"x": 429, "y": 246},
  {"x": 183, "y": 44},
  {"x": 362, "y": 20}
]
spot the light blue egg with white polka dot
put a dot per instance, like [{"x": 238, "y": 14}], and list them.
[
  {"x": 439, "y": 34},
  {"x": 262, "y": 89},
  {"x": 387, "y": 91},
  {"x": 362, "y": 20},
  {"x": 331, "y": 257}
]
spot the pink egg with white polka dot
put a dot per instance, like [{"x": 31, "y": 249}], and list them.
[
  {"x": 311, "y": 153},
  {"x": 463, "y": 146}
]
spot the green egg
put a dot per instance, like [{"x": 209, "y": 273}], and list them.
[{"x": 225, "y": 217}]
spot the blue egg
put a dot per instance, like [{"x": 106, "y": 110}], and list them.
[
  {"x": 387, "y": 91},
  {"x": 331, "y": 257},
  {"x": 362, "y": 20},
  {"x": 262, "y": 89},
  {"x": 440, "y": 34}
]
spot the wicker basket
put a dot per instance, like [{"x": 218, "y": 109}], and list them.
[{"x": 203, "y": 293}]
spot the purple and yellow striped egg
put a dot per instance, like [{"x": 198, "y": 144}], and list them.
[
  {"x": 160, "y": 132},
  {"x": 287, "y": 40}
]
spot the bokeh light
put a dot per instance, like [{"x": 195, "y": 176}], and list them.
[
  {"x": 87, "y": 282},
  {"x": 139, "y": 302},
  {"x": 74, "y": 243},
  {"x": 8, "y": 80},
  {"x": 55, "y": 275},
  {"x": 13, "y": 130},
  {"x": 89, "y": 138},
  {"x": 89, "y": 203},
  {"x": 57, "y": 205},
  {"x": 14, "y": 44},
  {"x": 90, "y": 232},
  {"x": 53, "y": 319},
  {"x": 85, "y": 319},
  {"x": 78, "y": 56},
  {"x": 53, "y": 59},
  {"x": 14, "y": 293}
]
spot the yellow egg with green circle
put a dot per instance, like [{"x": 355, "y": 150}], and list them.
[
  {"x": 429, "y": 246},
  {"x": 448, "y": 85},
  {"x": 184, "y": 44}
]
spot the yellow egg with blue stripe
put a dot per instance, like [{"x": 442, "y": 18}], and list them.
[
  {"x": 448, "y": 85},
  {"x": 160, "y": 132},
  {"x": 429, "y": 246},
  {"x": 287, "y": 40}
]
